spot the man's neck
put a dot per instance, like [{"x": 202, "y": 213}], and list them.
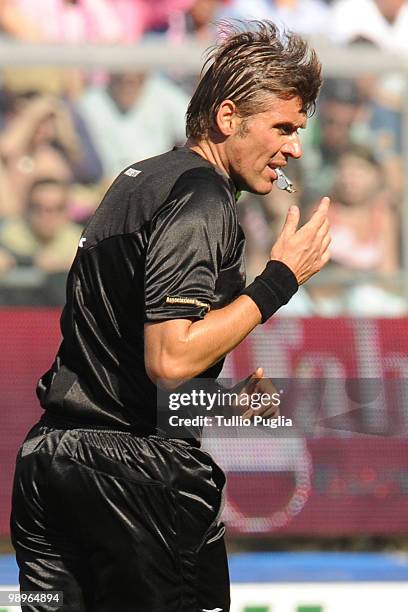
[{"x": 210, "y": 151}]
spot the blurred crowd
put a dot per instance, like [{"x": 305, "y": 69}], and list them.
[{"x": 64, "y": 135}]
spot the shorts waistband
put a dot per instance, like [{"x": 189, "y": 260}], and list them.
[{"x": 59, "y": 422}]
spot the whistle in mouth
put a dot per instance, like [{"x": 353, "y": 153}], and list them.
[{"x": 283, "y": 182}]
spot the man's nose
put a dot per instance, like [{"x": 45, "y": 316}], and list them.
[{"x": 292, "y": 146}]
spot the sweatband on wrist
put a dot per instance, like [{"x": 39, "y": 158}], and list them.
[{"x": 273, "y": 288}]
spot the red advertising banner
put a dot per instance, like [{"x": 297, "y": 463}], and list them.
[{"x": 343, "y": 480}]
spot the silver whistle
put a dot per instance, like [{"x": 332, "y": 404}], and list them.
[{"x": 283, "y": 182}]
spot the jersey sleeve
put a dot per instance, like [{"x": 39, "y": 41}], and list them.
[{"x": 189, "y": 239}]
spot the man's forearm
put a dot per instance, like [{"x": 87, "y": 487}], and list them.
[{"x": 181, "y": 352}]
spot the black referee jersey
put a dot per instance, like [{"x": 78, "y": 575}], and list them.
[
  {"x": 165, "y": 243},
  {"x": 105, "y": 509}
]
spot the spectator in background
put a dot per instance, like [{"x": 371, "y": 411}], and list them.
[
  {"x": 364, "y": 233},
  {"x": 135, "y": 116},
  {"x": 381, "y": 124},
  {"x": 382, "y": 22},
  {"x": 302, "y": 16},
  {"x": 63, "y": 21},
  {"x": 198, "y": 20},
  {"x": 72, "y": 21},
  {"x": 43, "y": 238},
  {"x": 8, "y": 200},
  {"x": 46, "y": 138},
  {"x": 364, "y": 239},
  {"x": 79, "y": 21},
  {"x": 329, "y": 135}
]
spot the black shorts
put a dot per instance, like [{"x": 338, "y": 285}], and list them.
[{"x": 119, "y": 522}]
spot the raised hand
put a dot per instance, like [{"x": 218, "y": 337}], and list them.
[
  {"x": 304, "y": 250},
  {"x": 259, "y": 385}
]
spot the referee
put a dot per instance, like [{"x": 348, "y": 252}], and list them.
[{"x": 105, "y": 510}]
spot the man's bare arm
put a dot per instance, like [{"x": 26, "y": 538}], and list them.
[{"x": 178, "y": 349}]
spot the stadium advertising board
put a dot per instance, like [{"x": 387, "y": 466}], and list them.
[{"x": 350, "y": 476}]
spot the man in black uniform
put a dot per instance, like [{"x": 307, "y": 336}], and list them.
[{"x": 106, "y": 509}]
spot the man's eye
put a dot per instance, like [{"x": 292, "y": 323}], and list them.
[{"x": 287, "y": 130}]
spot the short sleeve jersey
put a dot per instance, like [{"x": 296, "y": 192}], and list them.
[{"x": 165, "y": 243}]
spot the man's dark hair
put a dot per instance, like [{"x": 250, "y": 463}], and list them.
[{"x": 248, "y": 65}]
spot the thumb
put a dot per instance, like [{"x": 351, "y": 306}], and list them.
[
  {"x": 255, "y": 376},
  {"x": 324, "y": 204},
  {"x": 292, "y": 220}
]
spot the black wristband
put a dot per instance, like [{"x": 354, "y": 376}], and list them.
[{"x": 273, "y": 288}]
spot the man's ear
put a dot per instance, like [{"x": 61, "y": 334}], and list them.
[{"x": 227, "y": 118}]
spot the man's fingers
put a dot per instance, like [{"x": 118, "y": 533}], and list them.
[
  {"x": 272, "y": 411},
  {"x": 254, "y": 380},
  {"x": 266, "y": 412},
  {"x": 292, "y": 221},
  {"x": 256, "y": 375},
  {"x": 323, "y": 231},
  {"x": 325, "y": 258},
  {"x": 301, "y": 250},
  {"x": 250, "y": 385},
  {"x": 320, "y": 214},
  {"x": 325, "y": 244},
  {"x": 323, "y": 207},
  {"x": 248, "y": 414}
]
